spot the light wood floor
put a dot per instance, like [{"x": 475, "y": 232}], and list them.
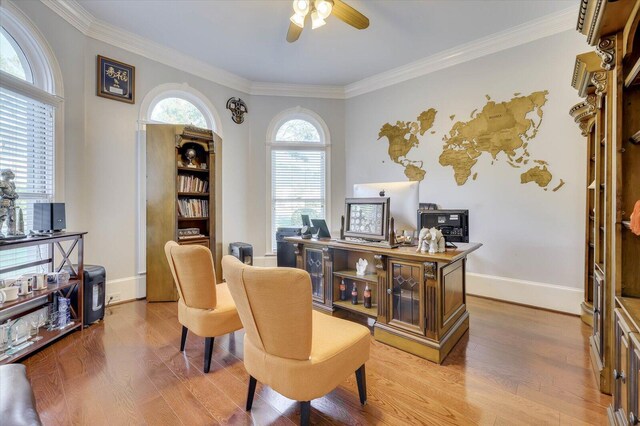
[{"x": 516, "y": 366}]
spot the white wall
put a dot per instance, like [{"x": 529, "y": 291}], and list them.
[{"x": 529, "y": 235}]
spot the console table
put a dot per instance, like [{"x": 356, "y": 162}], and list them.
[
  {"x": 418, "y": 299},
  {"x": 31, "y": 302}
]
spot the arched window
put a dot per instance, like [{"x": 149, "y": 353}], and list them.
[
  {"x": 178, "y": 111},
  {"x": 179, "y": 104},
  {"x": 298, "y": 144},
  {"x": 12, "y": 59},
  {"x": 30, "y": 117}
]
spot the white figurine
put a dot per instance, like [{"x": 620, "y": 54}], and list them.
[
  {"x": 361, "y": 266},
  {"x": 431, "y": 240}
]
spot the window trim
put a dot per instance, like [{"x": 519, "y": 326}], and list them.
[
  {"x": 182, "y": 91},
  {"x": 47, "y": 86},
  {"x": 316, "y": 120}
]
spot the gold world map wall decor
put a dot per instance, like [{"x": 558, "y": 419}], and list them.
[{"x": 498, "y": 128}]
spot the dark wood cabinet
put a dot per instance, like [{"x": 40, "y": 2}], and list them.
[
  {"x": 418, "y": 300},
  {"x": 626, "y": 364},
  {"x": 621, "y": 376},
  {"x": 406, "y": 296}
]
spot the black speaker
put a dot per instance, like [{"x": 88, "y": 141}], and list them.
[
  {"x": 242, "y": 251},
  {"x": 49, "y": 217}
]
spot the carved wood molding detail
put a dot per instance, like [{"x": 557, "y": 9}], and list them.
[
  {"x": 606, "y": 51},
  {"x": 584, "y": 112},
  {"x": 380, "y": 262},
  {"x": 430, "y": 269},
  {"x": 590, "y": 15},
  {"x": 599, "y": 80},
  {"x": 326, "y": 253}
]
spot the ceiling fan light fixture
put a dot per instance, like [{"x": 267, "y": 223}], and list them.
[
  {"x": 301, "y": 7},
  {"x": 316, "y": 20},
  {"x": 298, "y": 20},
  {"x": 324, "y": 8}
]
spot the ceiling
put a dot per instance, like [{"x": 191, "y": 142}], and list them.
[{"x": 247, "y": 37}]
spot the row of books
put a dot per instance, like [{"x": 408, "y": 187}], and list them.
[
  {"x": 192, "y": 184},
  {"x": 191, "y": 207}
]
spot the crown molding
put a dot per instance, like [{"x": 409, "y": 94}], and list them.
[
  {"x": 72, "y": 12},
  {"x": 530, "y": 31}
]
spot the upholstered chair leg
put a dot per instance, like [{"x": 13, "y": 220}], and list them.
[
  {"x": 208, "y": 351},
  {"x": 252, "y": 391},
  {"x": 185, "y": 330},
  {"x": 362, "y": 384},
  {"x": 305, "y": 412}
]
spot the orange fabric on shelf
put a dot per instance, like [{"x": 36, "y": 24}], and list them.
[{"x": 635, "y": 219}]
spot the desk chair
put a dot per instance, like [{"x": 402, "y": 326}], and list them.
[
  {"x": 300, "y": 353},
  {"x": 204, "y": 308}
]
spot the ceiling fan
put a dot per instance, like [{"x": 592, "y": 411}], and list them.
[{"x": 319, "y": 10}]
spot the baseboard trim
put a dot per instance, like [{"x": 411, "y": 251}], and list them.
[
  {"x": 265, "y": 261},
  {"x": 126, "y": 288},
  {"x": 530, "y": 293}
]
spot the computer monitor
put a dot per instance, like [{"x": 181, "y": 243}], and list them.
[
  {"x": 404, "y": 200},
  {"x": 454, "y": 224}
]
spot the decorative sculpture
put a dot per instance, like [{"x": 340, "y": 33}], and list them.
[
  {"x": 635, "y": 219},
  {"x": 361, "y": 266},
  {"x": 190, "y": 154},
  {"x": 238, "y": 109},
  {"x": 431, "y": 240},
  {"x": 8, "y": 197}
]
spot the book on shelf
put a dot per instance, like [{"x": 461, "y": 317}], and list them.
[
  {"x": 192, "y": 207},
  {"x": 188, "y": 183},
  {"x": 191, "y": 237}
]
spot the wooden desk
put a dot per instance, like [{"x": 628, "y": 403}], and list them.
[{"x": 419, "y": 300}]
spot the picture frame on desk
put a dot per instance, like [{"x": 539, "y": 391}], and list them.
[
  {"x": 116, "y": 80},
  {"x": 367, "y": 218}
]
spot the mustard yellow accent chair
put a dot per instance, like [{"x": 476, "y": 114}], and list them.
[
  {"x": 204, "y": 307},
  {"x": 300, "y": 353}
]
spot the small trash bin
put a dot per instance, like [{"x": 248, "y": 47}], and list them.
[{"x": 94, "y": 293}]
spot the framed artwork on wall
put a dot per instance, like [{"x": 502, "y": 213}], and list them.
[{"x": 116, "y": 80}]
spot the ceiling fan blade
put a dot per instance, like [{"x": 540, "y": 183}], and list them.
[
  {"x": 294, "y": 32},
  {"x": 346, "y": 13}
]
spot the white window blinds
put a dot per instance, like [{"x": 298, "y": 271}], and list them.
[
  {"x": 297, "y": 186},
  {"x": 27, "y": 148}
]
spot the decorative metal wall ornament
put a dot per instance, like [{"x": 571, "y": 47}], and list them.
[{"x": 238, "y": 108}]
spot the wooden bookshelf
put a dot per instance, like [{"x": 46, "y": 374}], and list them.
[{"x": 173, "y": 194}]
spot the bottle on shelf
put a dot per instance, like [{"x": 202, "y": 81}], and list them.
[
  {"x": 367, "y": 297},
  {"x": 343, "y": 290},
  {"x": 354, "y": 295}
]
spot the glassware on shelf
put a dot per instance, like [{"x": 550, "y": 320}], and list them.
[{"x": 34, "y": 331}]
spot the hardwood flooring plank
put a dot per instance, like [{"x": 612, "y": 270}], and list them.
[{"x": 516, "y": 365}]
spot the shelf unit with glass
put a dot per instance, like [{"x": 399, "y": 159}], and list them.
[{"x": 418, "y": 300}]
